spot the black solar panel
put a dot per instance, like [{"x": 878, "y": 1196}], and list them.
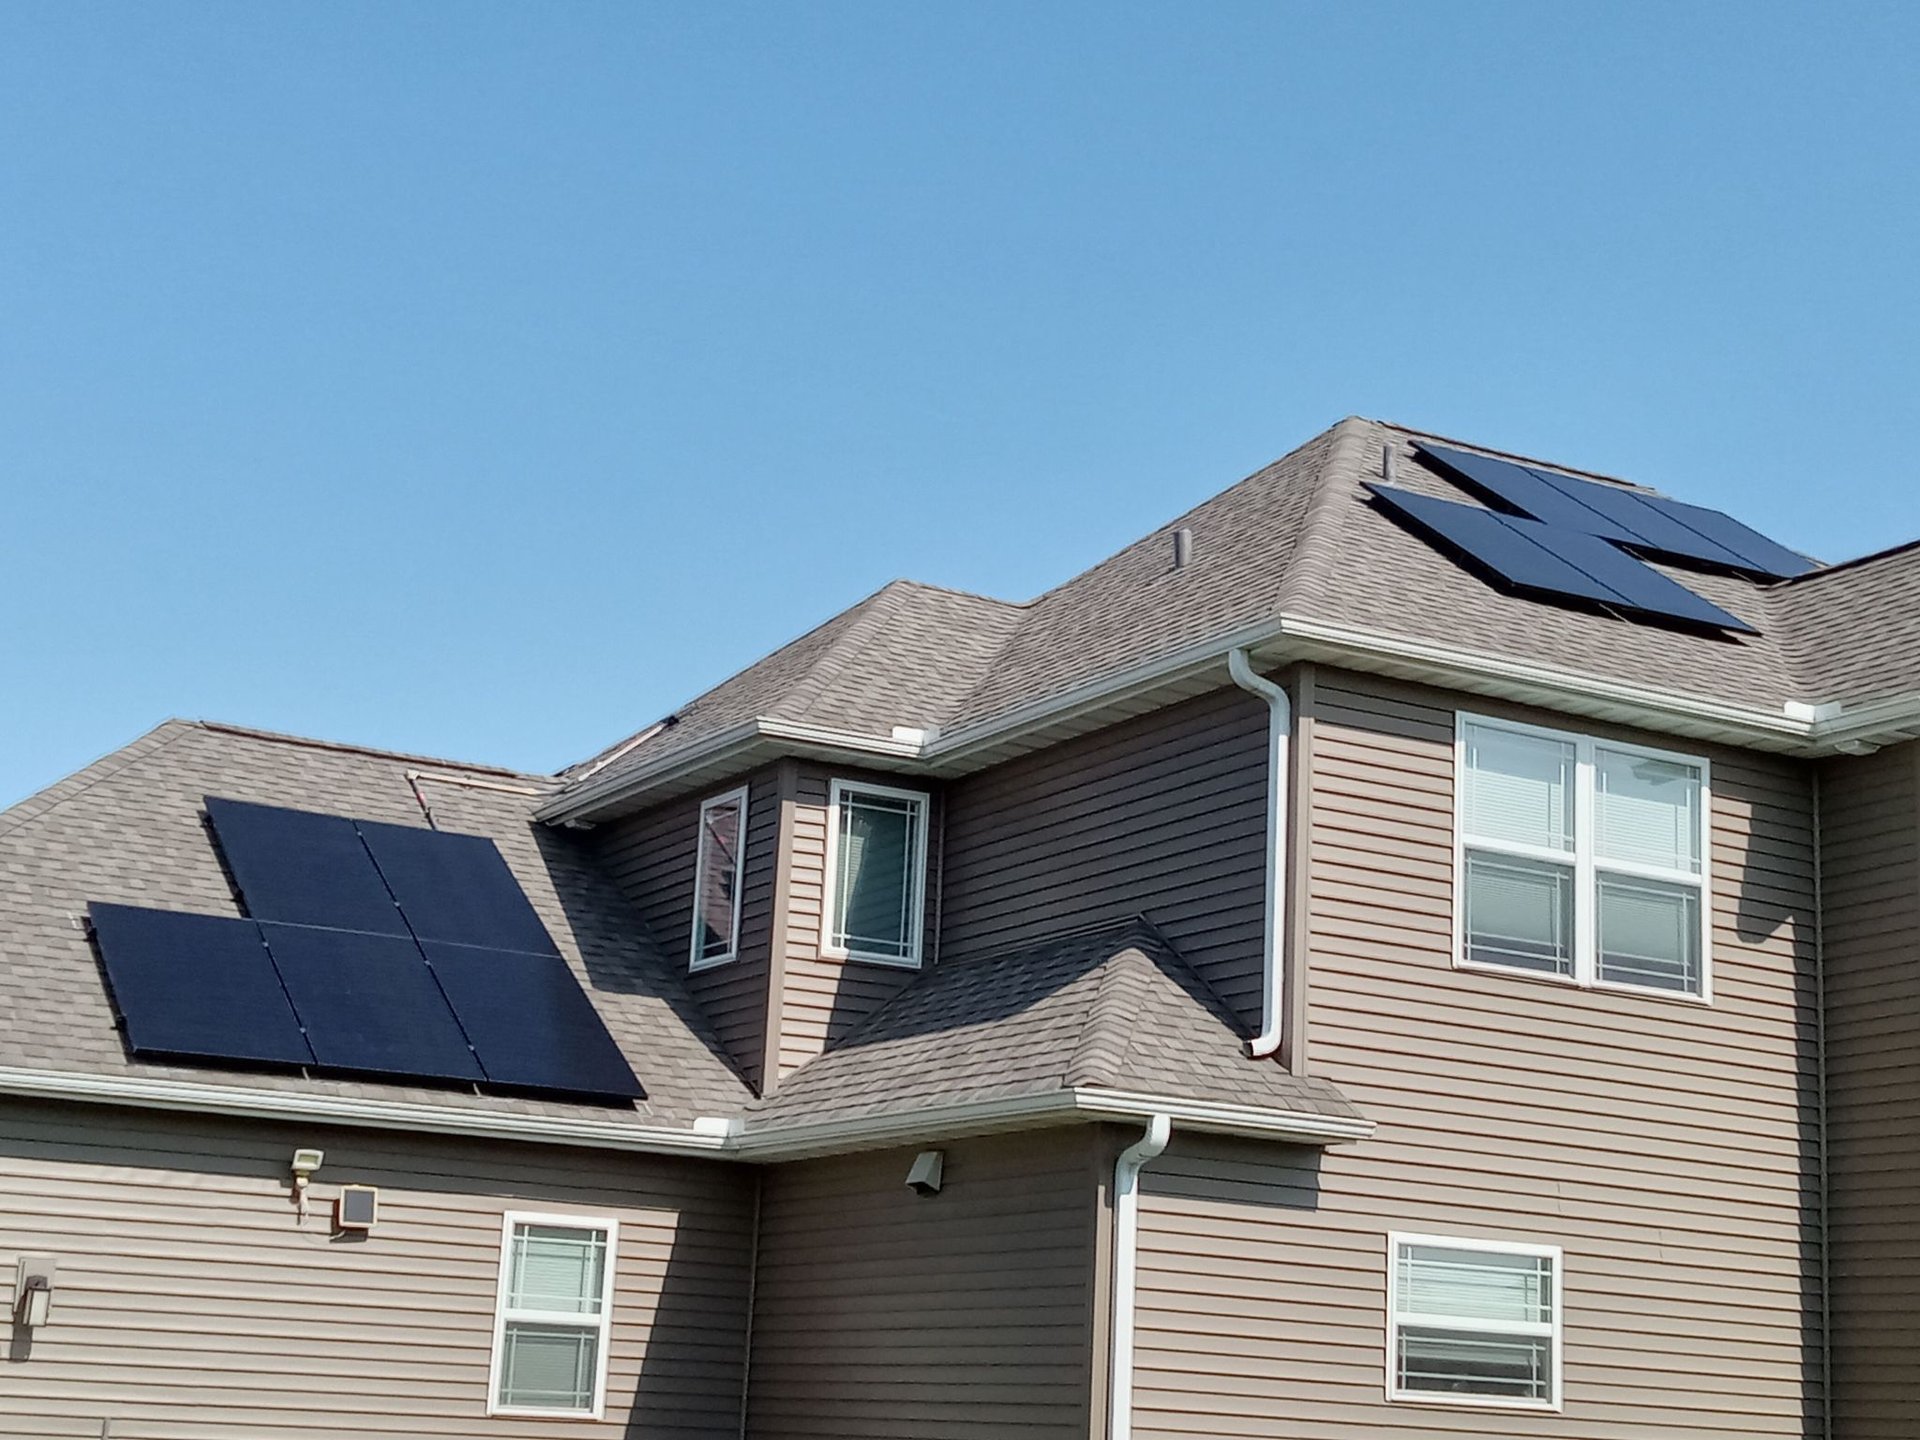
[
  {"x": 196, "y": 986},
  {"x": 1647, "y": 522},
  {"x": 300, "y": 868},
  {"x": 455, "y": 888},
  {"x": 370, "y": 1003},
  {"x": 1531, "y": 556},
  {"x": 530, "y": 1022}
]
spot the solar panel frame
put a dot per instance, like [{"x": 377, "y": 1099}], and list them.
[
  {"x": 455, "y": 888},
  {"x": 299, "y": 867},
  {"x": 236, "y": 1009},
  {"x": 1528, "y": 555},
  {"x": 531, "y": 1023},
  {"x": 370, "y": 1003}
]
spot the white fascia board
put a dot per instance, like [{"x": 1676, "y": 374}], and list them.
[{"x": 235, "y": 1100}]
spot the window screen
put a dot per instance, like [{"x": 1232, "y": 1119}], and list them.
[
  {"x": 551, "y": 1331},
  {"x": 1474, "y": 1323},
  {"x": 716, "y": 886},
  {"x": 878, "y": 873}
]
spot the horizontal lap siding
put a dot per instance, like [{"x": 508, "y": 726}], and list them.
[
  {"x": 1666, "y": 1146},
  {"x": 961, "y": 1316},
  {"x": 822, "y": 998},
  {"x": 192, "y": 1304},
  {"x": 1163, "y": 815},
  {"x": 1870, "y": 832},
  {"x": 652, "y": 857}
]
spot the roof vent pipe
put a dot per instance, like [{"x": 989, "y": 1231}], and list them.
[
  {"x": 1182, "y": 548},
  {"x": 1279, "y": 748},
  {"x": 1386, "y": 462}
]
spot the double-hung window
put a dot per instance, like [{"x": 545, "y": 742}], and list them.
[
  {"x": 1582, "y": 859},
  {"x": 550, "y": 1326},
  {"x": 1473, "y": 1322},
  {"x": 876, "y": 873},
  {"x": 716, "y": 880}
]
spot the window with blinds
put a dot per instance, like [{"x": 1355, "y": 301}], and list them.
[
  {"x": 1473, "y": 1322},
  {"x": 1581, "y": 859},
  {"x": 716, "y": 880},
  {"x": 876, "y": 873},
  {"x": 555, "y": 1306}
]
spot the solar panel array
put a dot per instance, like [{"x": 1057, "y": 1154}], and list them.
[
  {"x": 368, "y": 948},
  {"x": 1555, "y": 535}
]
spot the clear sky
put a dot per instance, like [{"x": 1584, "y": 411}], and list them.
[{"x": 485, "y": 380}]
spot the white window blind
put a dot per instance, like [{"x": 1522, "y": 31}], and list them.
[
  {"x": 550, "y": 1329},
  {"x": 1582, "y": 859},
  {"x": 1473, "y": 1322},
  {"x": 716, "y": 882},
  {"x": 877, "y": 858}
]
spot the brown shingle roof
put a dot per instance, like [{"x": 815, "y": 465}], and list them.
[
  {"x": 1113, "y": 1008},
  {"x": 128, "y": 829}
]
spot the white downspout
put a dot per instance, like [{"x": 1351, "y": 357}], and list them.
[
  {"x": 1126, "y": 1244},
  {"x": 1279, "y": 744}
]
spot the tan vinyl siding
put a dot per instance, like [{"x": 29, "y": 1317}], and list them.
[
  {"x": 822, "y": 997},
  {"x": 192, "y": 1304},
  {"x": 1870, "y": 881},
  {"x": 1163, "y": 815},
  {"x": 652, "y": 856},
  {"x": 1664, "y": 1144},
  {"x": 961, "y": 1316}
]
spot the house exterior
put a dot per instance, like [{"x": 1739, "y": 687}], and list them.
[{"x": 1285, "y": 981}]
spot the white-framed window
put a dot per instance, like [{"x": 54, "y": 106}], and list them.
[
  {"x": 1582, "y": 860},
  {"x": 876, "y": 873},
  {"x": 552, "y": 1315},
  {"x": 716, "y": 880},
  {"x": 1473, "y": 1322}
]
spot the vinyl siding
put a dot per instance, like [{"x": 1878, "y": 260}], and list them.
[
  {"x": 192, "y": 1304},
  {"x": 1164, "y": 815},
  {"x": 1665, "y": 1145},
  {"x": 967, "y": 1315},
  {"x": 821, "y": 997},
  {"x": 1870, "y": 881},
  {"x": 652, "y": 857}
]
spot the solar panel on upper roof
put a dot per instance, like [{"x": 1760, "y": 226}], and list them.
[
  {"x": 1541, "y": 558},
  {"x": 370, "y": 1003},
  {"x": 1764, "y": 556},
  {"x": 196, "y": 986},
  {"x": 455, "y": 888},
  {"x": 300, "y": 868},
  {"x": 530, "y": 1023},
  {"x": 1529, "y": 491}
]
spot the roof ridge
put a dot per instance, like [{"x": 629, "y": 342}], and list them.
[
  {"x": 1494, "y": 452},
  {"x": 956, "y": 590},
  {"x": 1107, "y": 1036},
  {"x": 346, "y": 747}
]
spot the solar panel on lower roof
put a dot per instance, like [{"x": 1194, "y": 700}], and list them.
[
  {"x": 531, "y": 1023},
  {"x": 196, "y": 986},
  {"x": 370, "y": 1003},
  {"x": 300, "y": 868},
  {"x": 455, "y": 888},
  {"x": 1531, "y": 556}
]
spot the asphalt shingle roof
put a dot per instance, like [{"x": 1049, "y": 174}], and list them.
[
  {"x": 129, "y": 829},
  {"x": 1113, "y": 1008}
]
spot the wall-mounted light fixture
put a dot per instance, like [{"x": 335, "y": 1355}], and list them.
[
  {"x": 304, "y": 1163},
  {"x": 33, "y": 1291}
]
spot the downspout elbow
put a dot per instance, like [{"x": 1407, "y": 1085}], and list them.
[
  {"x": 1279, "y": 745},
  {"x": 1126, "y": 1249}
]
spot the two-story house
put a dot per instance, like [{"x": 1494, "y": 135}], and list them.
[{"x": 1423, "y": 945}]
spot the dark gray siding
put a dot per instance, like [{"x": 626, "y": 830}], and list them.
[
  {"x": 652, "y": 857},
  {"x": 962, "y": 1316},
  {"x": 1870, "y": 880},
  {"x": 1164, "y": 815}
]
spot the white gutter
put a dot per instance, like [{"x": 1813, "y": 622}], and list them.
[
  {"x": 1279, "y": 751},
  {"x": 1126, "y": 1270}
]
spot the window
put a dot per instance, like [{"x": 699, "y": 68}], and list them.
[
  {"x": 555, "y": 1304},
  {"x": 876, "y": 873},
  {"x": 1583, "y": 860},
  {"x": 716, "y": 880},
  {"x": 1473, "y": 1322}
]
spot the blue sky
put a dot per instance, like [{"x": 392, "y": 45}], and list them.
[{"x": 483, "y": 380}]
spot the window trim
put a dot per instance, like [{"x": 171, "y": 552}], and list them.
[
  {"x": 1583, "y": 860},
  {"x": 502, "y": 1315},
  {"x": 695, "y": 962},
  {"x": 1556, "y": 1331},
  {"x": 837, "y": 791}
]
